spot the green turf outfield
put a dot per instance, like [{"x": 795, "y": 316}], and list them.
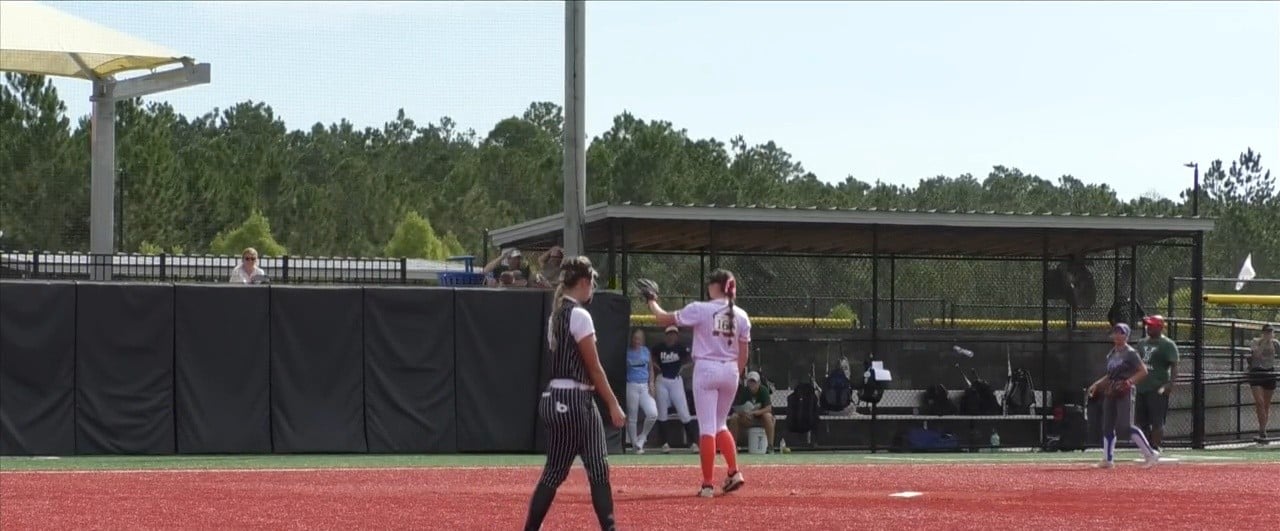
[{"x": 682, "y": 458}]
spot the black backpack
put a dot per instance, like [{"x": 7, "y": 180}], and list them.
[
  {"x": 871, "y": 390},
  {"x": 837, "y": 394},
  {"x": 802, "y": 408},
  {"x": 934, "y": 401},
  {"x": 1021, "y": 397},
  {"x": 979, "y": 399}
]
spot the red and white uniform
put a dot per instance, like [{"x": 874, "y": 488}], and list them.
[{"x": 715, "y": 358}]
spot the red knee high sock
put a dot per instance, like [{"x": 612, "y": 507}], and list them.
[
  {"x": 707, "y": 451},
  {"x": 729, "y": 449}
]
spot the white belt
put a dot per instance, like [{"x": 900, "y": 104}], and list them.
[{"x": 565, "y": 383}]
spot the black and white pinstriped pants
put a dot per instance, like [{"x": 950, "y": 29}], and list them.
[{"x": 574, "y": 428}]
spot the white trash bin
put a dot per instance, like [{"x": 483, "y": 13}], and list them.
[{"x": 757, "y": 441}]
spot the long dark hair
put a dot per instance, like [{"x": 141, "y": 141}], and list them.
[
  {"x": 572, "y": 271},
  {"x": 729, "y": 285}
]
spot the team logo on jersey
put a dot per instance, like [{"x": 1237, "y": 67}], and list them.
[
  {"x": 561, "y": 407},
  {"x": 669, "y": 357}
]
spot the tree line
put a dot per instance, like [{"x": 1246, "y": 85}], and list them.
[{"x": 192, "y": 184}]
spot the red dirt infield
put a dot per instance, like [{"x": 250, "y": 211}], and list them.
[{"x": 954, "y": 496}]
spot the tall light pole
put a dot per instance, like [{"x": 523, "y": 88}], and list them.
[
  {"x": 1195, "y": 189},
  {"x": 575, "y": 148}
]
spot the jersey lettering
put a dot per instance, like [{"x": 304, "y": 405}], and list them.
[{"x": 722, "y": 325}]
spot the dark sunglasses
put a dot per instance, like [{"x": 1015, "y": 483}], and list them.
[{"x": 250, "y": 259}]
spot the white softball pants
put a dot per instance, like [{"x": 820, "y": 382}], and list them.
[
  {"x": 671, "y": 393},
  {"x": 715, "y": 385},
  {"x": 637, "y": 398}
]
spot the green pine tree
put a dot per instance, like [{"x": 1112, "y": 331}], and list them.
[
  {"x": 254, "y": 232},
  {"x": 414, "y": 238}
]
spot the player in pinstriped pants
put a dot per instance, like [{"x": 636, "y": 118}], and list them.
[{"x": 567, "y": 408}]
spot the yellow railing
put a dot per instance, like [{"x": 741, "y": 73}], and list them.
[
  {"x": 1254, "y": 300},
  {"x": 643, "y": 320},
  {"x": 795, "y": 322},
  {"x": 1004, "y": 324}
]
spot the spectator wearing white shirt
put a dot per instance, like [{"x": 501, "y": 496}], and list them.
[{"x": 248, "y": 268}]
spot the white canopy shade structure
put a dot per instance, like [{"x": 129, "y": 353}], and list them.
[{"x": 38, "y": 39}]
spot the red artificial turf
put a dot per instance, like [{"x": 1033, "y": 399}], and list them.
[{"x": 968, "y": 496}]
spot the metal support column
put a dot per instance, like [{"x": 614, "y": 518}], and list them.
[
  {"x": 575, "y": 145},
  {"x": 702, "y": 276},
  {"x": 711, "y": 237},
  {"x": 102, "y": 180},
  {"x": 1133, "y": 283},
  {"x": 626, "y": 258},
  {"x": 875, "y": 288},
  {"x": 102, "y": 170},
  {"x": 1044, "y": 335},
  {"x": 611, "y": 266},
  {"x": 893, "y": 292},
  {"x": 1197, "y": 337},
  {"x": 875, "y": 315}
]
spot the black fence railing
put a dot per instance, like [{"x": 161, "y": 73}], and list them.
[
  {"x": 1230, "y": 410},
  {"x": 38, "y": 265}
]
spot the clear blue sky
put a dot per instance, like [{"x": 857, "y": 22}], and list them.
[{"x": 1116, "y": 92}]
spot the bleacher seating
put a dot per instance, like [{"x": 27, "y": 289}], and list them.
[
  {"x": 897, "y": 412},
  {"x": 899, "y": 404}
]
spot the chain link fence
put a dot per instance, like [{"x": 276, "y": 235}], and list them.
[{"x": 951, "y": 322}]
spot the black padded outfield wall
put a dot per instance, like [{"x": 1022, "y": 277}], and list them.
[
  {"x": 102, "y": 368},
  {"x": 409, "y": 373},
  {"x": 222, "y": 356},
  {"x": 500, "y": 338},
  {"x": 611, "y": 313},
  {"x": 37, "y": 368},
  {"x": 124, "y": 368},
  {"x": 317, "y": 370}
]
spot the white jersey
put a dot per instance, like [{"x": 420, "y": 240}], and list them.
[
  {"x": 240, "y": 276},
  {"x": 712, "y": 340}
]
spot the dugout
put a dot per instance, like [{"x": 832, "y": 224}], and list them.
[{"x": 919, "y": 283}]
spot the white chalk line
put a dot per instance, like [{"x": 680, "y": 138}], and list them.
[
  {"x": 864, "y": 461},
  {"x": 424, "y": 468}
]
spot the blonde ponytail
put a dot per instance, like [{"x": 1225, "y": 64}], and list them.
[
  {"x": 555, "y": 310},
  {"x": 572, "y": 271}
]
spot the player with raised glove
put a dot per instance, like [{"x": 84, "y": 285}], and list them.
[
  {"x": 1124, "y": 369},
  {"x": 648, "y": 289}
]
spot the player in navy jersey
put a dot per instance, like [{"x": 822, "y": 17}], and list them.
[{"x": 670, "y": 358}]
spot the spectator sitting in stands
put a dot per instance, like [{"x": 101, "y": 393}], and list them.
[
  {"x": 248, "y": 268},
  {"x": 752, "y": 408},
  {"x": 509, "y": 260},
  {"x": 549, "y": 268}
]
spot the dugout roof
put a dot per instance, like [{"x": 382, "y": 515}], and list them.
[{"x": 770, "y": 230}]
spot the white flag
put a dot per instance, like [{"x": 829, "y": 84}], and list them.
[{"x": 1246, "y": 272}]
